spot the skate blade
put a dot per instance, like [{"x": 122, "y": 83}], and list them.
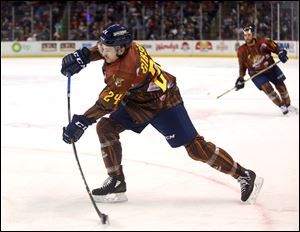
[
  {"x": 111, "y": 198},
  {"x": 293, "y": 112},
  {"x": 259, "y": 181}
]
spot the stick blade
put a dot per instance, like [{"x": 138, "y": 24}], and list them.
[{"x": 104, "y": 219}]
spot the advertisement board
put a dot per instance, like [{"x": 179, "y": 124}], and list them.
[{"x": 168, "y": 48}]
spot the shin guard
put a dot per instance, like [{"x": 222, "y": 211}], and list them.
[
  {"x": 283, "y": 94},
  {"x": 108, "y": 132},
  {"x": 270, "y": 92},
  {"x": 216, "y": 157}
]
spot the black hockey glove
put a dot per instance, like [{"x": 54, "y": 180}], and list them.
[
  {"x": 282, "y": 56},
  {"x": 75, "y": 129},
  {"x": 74, "y": 62},
  {"x": 239, "y": 84}
]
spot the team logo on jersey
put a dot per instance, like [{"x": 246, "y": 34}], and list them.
[
  {"x": 118, "y": 81},
  {"x": 257, "y": 60}
]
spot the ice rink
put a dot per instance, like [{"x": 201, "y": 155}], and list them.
[{"x": 42, "y": 189}]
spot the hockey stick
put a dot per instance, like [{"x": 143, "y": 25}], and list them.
[
  {"x": 255, "y": 75},
  {"x": 103, "y": 217}
]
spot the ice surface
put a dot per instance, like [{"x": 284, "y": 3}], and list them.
[{"x": 42, "y": 189}]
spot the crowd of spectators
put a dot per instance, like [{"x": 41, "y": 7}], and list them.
[{"x": 148, "y": 20}]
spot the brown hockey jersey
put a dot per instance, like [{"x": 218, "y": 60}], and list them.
[
  {"x": 138, "y": 83},
  {"x": 256, "y": 57}
]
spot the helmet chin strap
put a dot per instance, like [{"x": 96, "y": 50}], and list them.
[{"x": 119, "y": 52}]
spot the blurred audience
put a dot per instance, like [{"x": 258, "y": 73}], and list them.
[{"x": 148, "y": 20}]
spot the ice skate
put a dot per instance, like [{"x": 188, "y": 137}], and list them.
[
  {"x": 292, "y": 109},
  {"x": 112, "y": 190},
  {"x": 284, "y": 109},
  {"x": 250, "y": 186}
]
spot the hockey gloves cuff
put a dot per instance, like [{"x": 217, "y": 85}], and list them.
[
  {"x": 75, "y": 129},
  {"x": 74, "y": 62},
  {"x": 282, "y": 56},
  {"x": 239, "y": 84}
]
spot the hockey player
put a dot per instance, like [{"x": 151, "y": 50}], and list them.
[
  {"x": 255, "y": 55},
  {"x": 139, "y": 92}
]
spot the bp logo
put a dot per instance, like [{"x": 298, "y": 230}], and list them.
[{"x": 16, "y": 47}]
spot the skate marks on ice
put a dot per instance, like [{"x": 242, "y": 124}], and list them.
[
  {"x": 53, "y": 196},
  {"x": 42, "y": 189}
]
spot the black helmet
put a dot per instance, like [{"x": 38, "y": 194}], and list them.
[
  {"x": 249, "y": 28},
  {"x": 116, "y": 35}
]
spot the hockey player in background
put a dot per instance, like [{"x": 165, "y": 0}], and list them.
[
  {"x": 255, "y": 55},
  {"x": 138, "y": 93}
]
